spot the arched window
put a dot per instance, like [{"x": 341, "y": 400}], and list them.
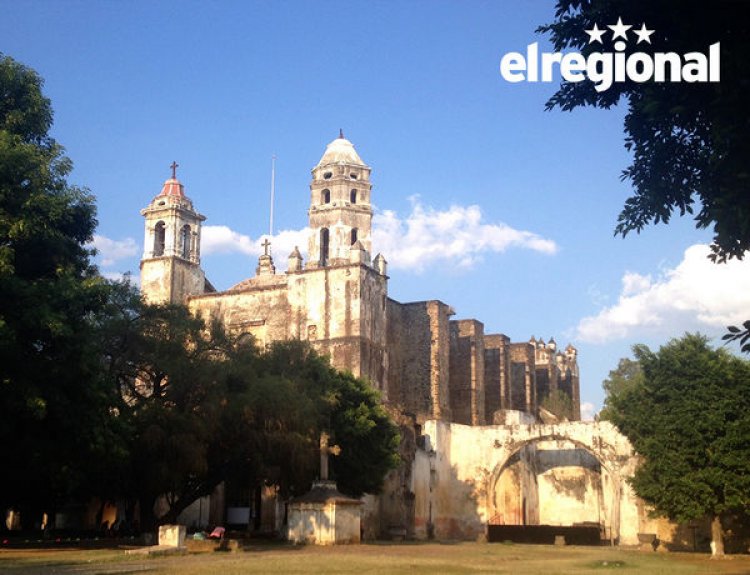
[
  {"x": 324, "y": 247},
  {"x": 325, "y": 197},
  {"x": 185, "y": 241},
  {"x": 327, "y": 175},
  {"x": 159, "y": 238},
  {"x": 353, "y": 196},
  {"x": 354, "y": 236}
]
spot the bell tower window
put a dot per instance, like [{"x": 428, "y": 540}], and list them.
[
  {"x": 185, "y": 240},
  {"x": 324, "y": 241},
  {"x": 325, "y": 197},
  {"x": 353, "y": 196},
  {"x": 159, "y": 239},
  {"x": 354, "y": 236}
]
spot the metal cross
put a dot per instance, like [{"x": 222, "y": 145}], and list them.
[{"x": 174, "y": 167}]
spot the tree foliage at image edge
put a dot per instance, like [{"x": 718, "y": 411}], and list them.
[{"x": 689, "y": 417}]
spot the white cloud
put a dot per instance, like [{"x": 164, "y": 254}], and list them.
[
  {"x": 427, "y": 236},
  {"x": 109, "y": 251},
  {"x": 587, "y": 411},
  {"x": 695, "y": 295},
  {"x": 224, "y": 240}
]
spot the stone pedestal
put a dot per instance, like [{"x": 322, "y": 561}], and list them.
[
  {"x": 265, "y": 266},
  {"x": 324, "y": 516},
  {"x": 172, "y": 535}
]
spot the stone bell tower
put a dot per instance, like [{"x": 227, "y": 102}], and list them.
[
  {"x": 170, "y": 266},
  {"x": 340, "y": 213}
]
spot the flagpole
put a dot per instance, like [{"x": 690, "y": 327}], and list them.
[{"x": 273, "y": 191}]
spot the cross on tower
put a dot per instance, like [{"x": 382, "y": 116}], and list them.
[
  {"x": 265, "y": 245},
  {"x": 324, "y": 452},
  {"x": 174, "y": 167}
]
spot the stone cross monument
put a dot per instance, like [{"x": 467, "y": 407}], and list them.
[{"x": 325, "y": 451}]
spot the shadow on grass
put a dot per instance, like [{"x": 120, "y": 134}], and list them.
[{"x": 608, "y": 564}]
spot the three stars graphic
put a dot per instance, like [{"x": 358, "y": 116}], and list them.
[{"x": 619, "y": 30}]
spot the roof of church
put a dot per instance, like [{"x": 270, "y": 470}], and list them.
[
  {"x": 341, "y": 151},
  {"x": 173, "y": 188}
]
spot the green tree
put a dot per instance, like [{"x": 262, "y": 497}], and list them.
[
  {"x": 350, "y": 409},
  {"x": 193, "y": 404},
  {"x": 54, "y": 411},
  {"x": 621, "y": 380},
  {"x": 559, "y": 403},
  {"x": 689, "y": 418},
  {"x": 688, "y": 141},
  {"x": 200, "y": 407},
  {"x": 739, "y": 334}
]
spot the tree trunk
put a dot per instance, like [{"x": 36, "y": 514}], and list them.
[
  {"x": 148, "y": 521},
  {"x": 717, "y": 538},
  {"x": 187, "y": 498}
]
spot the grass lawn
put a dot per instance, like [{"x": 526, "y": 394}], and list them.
[{"x": 412, "y": 558}]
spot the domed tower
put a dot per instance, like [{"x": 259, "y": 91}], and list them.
[
  {"x": 340, "y": 212},
  {"x": 170, "y": 266}
]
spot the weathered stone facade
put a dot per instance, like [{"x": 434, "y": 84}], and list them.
[
  {"x": 524, "y": 474},
  {"x": 468, "y": 402},
  {"x": 424, "y": 363}
]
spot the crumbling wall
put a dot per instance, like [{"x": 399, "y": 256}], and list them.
[
  {"x": 467, "y": 372},
  {"x": 418, "y": 350},
  {"x": 469, "y": 460},
  {"x": 523, "y": 396},
  {"x": 496, "y": 375}
]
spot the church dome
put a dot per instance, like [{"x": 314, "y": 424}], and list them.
[
  {"x": 173, "y": 188},
  {"x": 340, "y": 151}
]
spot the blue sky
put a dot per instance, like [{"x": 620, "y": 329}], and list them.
[{"x": 485, "y": 200}]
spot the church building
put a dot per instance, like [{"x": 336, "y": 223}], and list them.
[
  {"x": 424, "y": 363},
  {"x": 482, "y": 441}
]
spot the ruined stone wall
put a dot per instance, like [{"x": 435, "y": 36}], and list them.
[
  {"x": 496, "y": 374},
  {"x": 569, "y": 483},
  {"x": 394, "y": 513},
  {"x": 440, "y": 315},
  {"x": 523, "y": 396},
  {"x": 570, "y": 384},
  {"x": 409, "y": 354},
  {"x": 575, "y": 386},
  {"x": 544, "y": 383},
  {"x": 565, "y": 383},
  {"x": 467, "y": 483},
  {"x": 423, "y": 469},
  {"x": 418, "y": 347},
  {"x": 467, "y": 372},
  {"x": 513, "y": 498}
]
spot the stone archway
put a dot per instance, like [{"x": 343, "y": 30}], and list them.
[
  {"x": 556, "y": 480},
  {"x": 478, "y": 473}
]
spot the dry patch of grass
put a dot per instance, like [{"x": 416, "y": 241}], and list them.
[{"x": 411, "y": 558}]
